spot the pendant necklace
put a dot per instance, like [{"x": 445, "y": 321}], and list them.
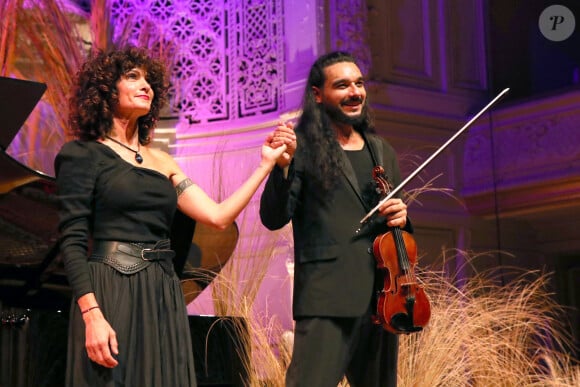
[{"x": 138, "y": 157}]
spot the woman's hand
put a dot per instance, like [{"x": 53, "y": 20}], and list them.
[
  {"x": 277, "y": 147},
  {"x": 101, "y": 339},
  {"x": 271, "y": 154},
  {"x": 395, "y": 210}
]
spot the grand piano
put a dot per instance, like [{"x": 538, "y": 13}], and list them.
[{"x": 34, "y": 294}]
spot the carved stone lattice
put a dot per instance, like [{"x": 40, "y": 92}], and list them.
[
  {"x": 226, "y": 57},
  {"x": 349, "y": 31}
]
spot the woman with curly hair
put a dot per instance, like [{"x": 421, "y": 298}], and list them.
[{"x": 117, "y": 196}]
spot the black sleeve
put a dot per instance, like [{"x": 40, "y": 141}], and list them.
[
  {"x": 75, "y": 179},
  {"x": 274, "y": 202}
]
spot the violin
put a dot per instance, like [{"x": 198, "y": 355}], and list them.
[{"x": 402, "y": 305}]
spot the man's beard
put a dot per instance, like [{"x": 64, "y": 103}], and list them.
[{"x": 337, "y": 115}]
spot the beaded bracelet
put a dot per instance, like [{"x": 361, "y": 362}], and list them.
[{"x": 89, "y": 309}]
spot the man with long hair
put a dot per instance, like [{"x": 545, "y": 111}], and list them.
[{"x": 324, "y": 184}]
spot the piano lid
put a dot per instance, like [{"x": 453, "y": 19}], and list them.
[
  {"x": 26, "y": 207},
  {"x": 17, "y": 99}
]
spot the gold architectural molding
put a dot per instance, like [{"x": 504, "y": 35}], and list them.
[{"x": 525, "y": 159}]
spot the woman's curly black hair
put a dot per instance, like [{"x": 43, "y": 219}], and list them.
[{"x": 95, "y": 95}]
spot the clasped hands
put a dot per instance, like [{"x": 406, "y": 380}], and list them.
[{"x": 283, "y": 135}]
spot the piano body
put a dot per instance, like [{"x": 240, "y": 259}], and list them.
[
  {"x": 33, "y": 288},
  {"x": 34, "y": 294}
]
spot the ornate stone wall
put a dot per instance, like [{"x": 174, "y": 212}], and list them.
[
  {"x": 348, "y": 30},
  {"x": 524, "y": 159},
  {"x": 228, "y": 60}
]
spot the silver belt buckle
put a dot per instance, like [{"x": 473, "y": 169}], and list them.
[{"x": 144, "y": 251}]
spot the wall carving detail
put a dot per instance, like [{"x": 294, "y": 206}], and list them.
[
  {"x": 227, "y": 55},
  {"x": 349, "y": 32},
  {"x": 535, "y": 146}
]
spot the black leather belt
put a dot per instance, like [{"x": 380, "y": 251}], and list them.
[{"x": 129, "y": 258}]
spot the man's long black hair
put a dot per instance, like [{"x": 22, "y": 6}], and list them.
[{"x": 320, "y": 146}]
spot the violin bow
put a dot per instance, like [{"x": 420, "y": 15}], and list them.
[{"x": 395, "y": 190}]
